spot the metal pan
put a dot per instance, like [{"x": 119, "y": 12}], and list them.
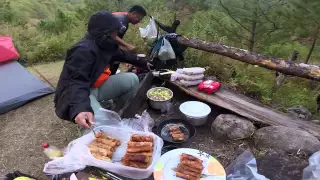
[{"x": 163, "y": 130}]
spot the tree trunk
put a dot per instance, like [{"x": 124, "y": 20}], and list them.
[
  {"x": 313, "y": 45},
  {"x": 253, "y": 36},
  {"x": 253, "y": 32},
  {"x": 281, "y": 65}
]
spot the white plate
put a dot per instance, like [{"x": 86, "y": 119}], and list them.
[
  {"x": 163, "y": 170},
  {"x": 195, "y": 109}
]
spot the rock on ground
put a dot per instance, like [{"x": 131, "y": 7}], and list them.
[
  {"x": 232, "y": 127},
  {"x": 286, "y": 139},
  {"x": 300, "y": 112}
]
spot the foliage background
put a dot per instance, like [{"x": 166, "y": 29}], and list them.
[{"x": 44, "y": 30}]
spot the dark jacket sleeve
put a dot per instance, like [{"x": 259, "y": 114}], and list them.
[
  {"x": 166, "y": 28},
  {"x": 73, "y": 91},
  {"x": 124, "y": 56}
]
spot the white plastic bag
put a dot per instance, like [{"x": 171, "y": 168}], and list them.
[
  {"x": 166, "y": 52},
  {"x": 192, "y": 71},
  {"x": 150, "y": 32},
  {"x": 191, "y": 77},
  {"x": 190, "y": 83},
  {"x": 244, "y": 168},
  {"x": 77, "y": 155},
  {"x": 312, "y": 171}
]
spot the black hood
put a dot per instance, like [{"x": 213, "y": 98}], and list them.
[{"x": 103, "y": 22}]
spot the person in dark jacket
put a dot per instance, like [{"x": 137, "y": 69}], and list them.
[{"x": 86, "y": 79}]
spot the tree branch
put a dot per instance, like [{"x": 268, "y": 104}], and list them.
[
  {"x": 229, "y": 29},
  {"x": 266, "y": 17},
  {"x": 229, "y": 13}
]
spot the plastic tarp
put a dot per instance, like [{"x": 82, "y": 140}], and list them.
[{"x": 18, "y": 86}]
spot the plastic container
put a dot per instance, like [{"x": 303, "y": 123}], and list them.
[
  {"x": 195, "y": 112},
  {"x": 51, "y": 151}
]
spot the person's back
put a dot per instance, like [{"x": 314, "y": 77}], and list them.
[{"x": 123, "y": 18}]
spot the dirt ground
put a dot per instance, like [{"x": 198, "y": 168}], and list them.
[{"x": 24, "y": 129}]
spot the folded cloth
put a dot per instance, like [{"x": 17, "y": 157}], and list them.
[
  {"x": 190, "y": 83},
  {"x": 191, "y": 71},
  {"x": 191, "y": 77}
]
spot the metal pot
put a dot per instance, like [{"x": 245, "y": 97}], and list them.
[{"x": 156, "y": 104}]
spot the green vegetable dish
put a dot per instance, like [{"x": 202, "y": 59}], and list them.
[{"x": 160, "y": 94}]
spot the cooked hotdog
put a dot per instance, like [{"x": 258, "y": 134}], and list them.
[
  {"x": 174, "y": 128},
  {"x": 148, "y": 154},
  {"x": 187, "y": 177},
  {"x": 98, "y": 156},
  {"x": 138, "y": 158},
  {"x": 190, "y": 173},
  {"x": 134, "y": 164},
  {"x": 140, "y": 138},
  {"x": 139, "y": 149},
  {"x": 100, "y": 135},
  {"x": 103, "y": 152},
  {"x": 188, "y": 168},
  {"x": 103, "y": 146},
  {"x": 139, "y": 144},
  {"x": 178, "y": 137},
  {"x": 192, "y": 164},
  {"x": 190, "y": 158},
  {"x": 107, "y": 142}
]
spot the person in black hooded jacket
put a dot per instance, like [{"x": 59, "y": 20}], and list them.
[{"x": 86, "y": 80}]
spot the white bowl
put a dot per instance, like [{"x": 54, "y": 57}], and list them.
[{"x": 195, "y": 112}]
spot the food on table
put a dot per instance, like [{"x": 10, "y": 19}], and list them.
[
  {"x": 149, "y": 154},
  {"x": 139, "y": 149},
  {"x": 139, "y": 152},
  {"x": 138, "y": 158},
  {"x": 140, "y": 144},
  {"x": 176, "y": 133},
  {"x": 189, "y": 168},
  {"x": 103, "y": 146},
  {"x": 185, "y": 176},
  {"x": 139, "y": 138},
  {"x": 189, "y": 157},
  {"x": 98, "y": 156},
  {"x": 159, "y": 94},
  {"x": 135, "y": 164}
]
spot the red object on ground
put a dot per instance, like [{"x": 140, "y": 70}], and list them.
[
  {"x": 45, "y": 145},
  {"x": 209, "y": 86},
  {"x": 7, "y": 50}
]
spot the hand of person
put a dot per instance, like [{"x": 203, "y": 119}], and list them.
[
  {"x": 84, "y": 119},
  {"x": 149, "y": 65},
  {"x": 131, "y": 48}
]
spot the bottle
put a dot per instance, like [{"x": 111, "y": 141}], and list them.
[{"x": 51, "y": 151}]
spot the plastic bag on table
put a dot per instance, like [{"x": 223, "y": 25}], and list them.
[
  {"x": 166, "y": 52},
  {"x": 191, "y": 77},
  {"x": 190, "y": 83},
  {"x": 244, "y": 168},
  {"x": 191, "y": 71},
  {"x": 312, "y": 172},
  {"x": 77, "y": 154},
  {"x": 139, "y": 123},
  {"x": 149, "y": 32}
]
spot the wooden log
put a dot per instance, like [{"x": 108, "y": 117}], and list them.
[
  {"x": 133, "y": 105},
  {"x": 251, "y": 109},
  {"x": 281, "y": 65}
]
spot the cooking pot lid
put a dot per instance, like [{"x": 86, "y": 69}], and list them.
[{"x": 195, "y": 109}]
